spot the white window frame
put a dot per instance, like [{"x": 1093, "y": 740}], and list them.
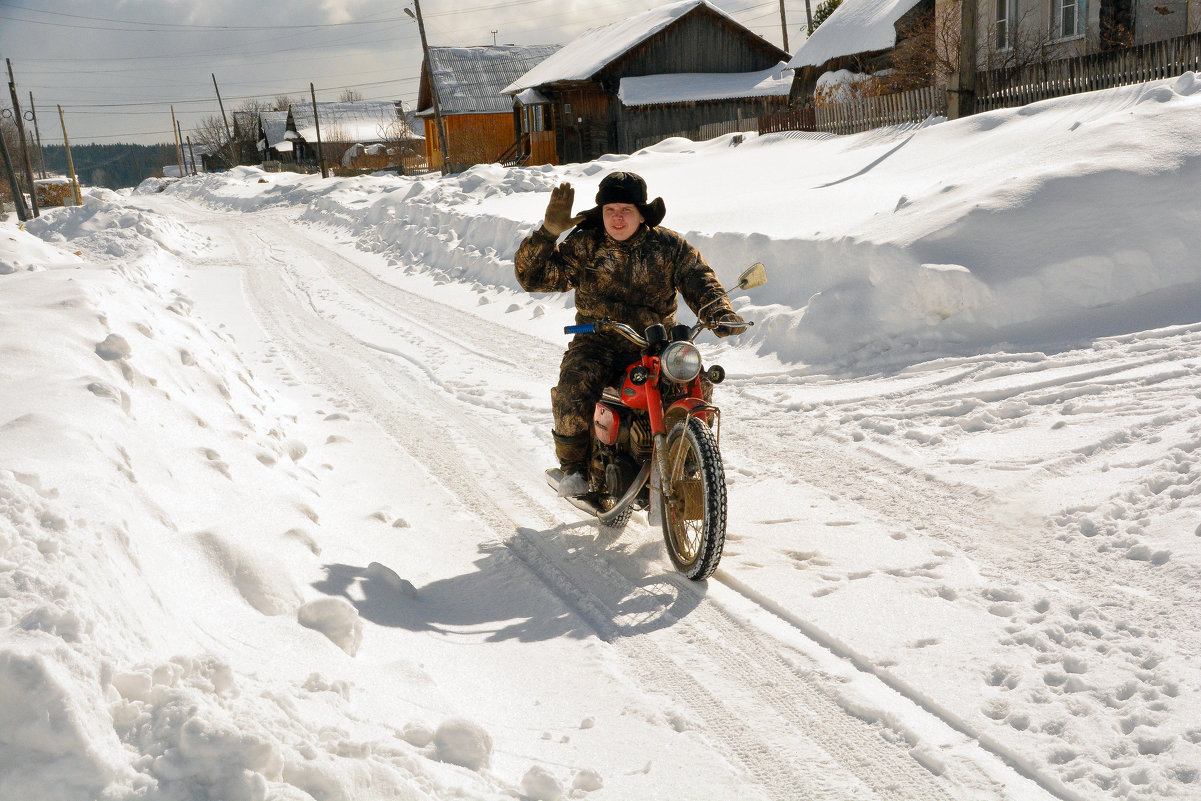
[
  {"x": 1058, "y": 9},
  {"x": 1006, "y": 13}
]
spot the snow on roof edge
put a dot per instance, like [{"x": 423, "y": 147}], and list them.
[
  {"x": 591, "y": 51},
  {"x": 650, "y": 90},
  {"x": 856, "y": 26}
]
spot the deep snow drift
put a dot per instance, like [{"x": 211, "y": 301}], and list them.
[{"x": 272, "y": 523}]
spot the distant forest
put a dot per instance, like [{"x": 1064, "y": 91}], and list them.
[{"x": 111, "y": 166}]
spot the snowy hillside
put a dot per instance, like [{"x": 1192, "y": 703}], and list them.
[{"x": 273, "y": 522}]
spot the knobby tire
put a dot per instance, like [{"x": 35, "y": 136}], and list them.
[{"x": 695, "y": 546}]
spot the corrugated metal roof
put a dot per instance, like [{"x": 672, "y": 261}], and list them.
[
  {"x": 469, "y": 79},
  {"x": 354, "y": 121}
]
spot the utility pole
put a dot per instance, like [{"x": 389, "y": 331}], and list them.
[
  {"x": 184, "y": 163},
  {"x": 808, "y": 20},
  {"x": 232, "y": 158},
  {"x": 178, "y": 149},
  {"x": 192, "y": 155},
  {"x": 41, "y": 153},
  {"x": 317, "y": 122},
  {"x": 33, "y": 190},
  {"x": 75, "y": 191},
  {"x": 18, "y": 196},
  {"x": 961, "y": 98},
  {"x": 429, "y": 65},
  {"x": 783, "y": 24}
]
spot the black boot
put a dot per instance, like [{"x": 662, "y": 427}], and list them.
[{"x": 572, "y": 452}]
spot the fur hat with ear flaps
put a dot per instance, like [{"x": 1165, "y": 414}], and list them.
[{"x": 625, "y": 187}]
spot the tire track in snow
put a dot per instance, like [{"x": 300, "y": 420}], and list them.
[{"x": 829, "y": 753}]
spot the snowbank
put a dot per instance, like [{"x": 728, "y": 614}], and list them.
[{"x": 883, "y": 247}]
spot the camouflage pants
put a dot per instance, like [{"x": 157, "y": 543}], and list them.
[{"x": 589, "y": 365}]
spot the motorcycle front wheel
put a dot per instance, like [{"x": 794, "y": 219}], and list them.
[{"x": 694, "y": 500}]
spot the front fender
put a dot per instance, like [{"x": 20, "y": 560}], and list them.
[{"x": 690, "y": 407}]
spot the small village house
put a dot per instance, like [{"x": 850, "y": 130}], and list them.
[
  {"x": 667, "y": 71},
  {"x": 478, "y": 119},
  {"x": 346, "y": 124},
  {"x": 864, "y": 36},
  {"x": 859, "y": 37},
  {"x": 275, "y": 140}
]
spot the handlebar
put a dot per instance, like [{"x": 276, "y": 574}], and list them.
[
  {"x": 632, "y": 335},
  {"x": 608, "y": 325}
]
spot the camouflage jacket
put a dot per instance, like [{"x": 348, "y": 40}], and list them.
[{"x": 633, "y": 282}]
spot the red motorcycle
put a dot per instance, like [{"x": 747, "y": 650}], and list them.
[{"x": 654, "y": 442}]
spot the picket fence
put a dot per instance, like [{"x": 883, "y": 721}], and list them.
[
  {"x": 1149, "y": 62},
  {"x": 862, "y": 114},
  {"x": 1168, "y": 58}
]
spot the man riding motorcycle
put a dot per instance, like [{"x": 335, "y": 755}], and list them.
[{"x": 625, "y": 267}]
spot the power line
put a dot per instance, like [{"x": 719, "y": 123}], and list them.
[{"x": 182, "y": 27}]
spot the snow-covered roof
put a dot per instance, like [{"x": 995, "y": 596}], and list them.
[
  {"x": 856, "y": 26},
  {"x": 275, "y": 127},
  {"x": 470, "y": 79},
  {"x": 649, "y": 90},
  {"x": 357, "y": 121},
  {"x": 530, "y": 97},
  {"x": 589, "y": 53}
]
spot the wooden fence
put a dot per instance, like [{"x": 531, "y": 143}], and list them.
[
  {"x": 1002, "y": 88},
  {"x": 867, "y": 113},
  {"x": 862, "y": 114},
  {"x": 1149, "y": 62}
]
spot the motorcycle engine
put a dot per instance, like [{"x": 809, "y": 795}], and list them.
[{"x": 642, "y": 443}]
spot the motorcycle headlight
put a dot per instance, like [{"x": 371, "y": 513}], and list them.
[{"x": 681, "y": 362}]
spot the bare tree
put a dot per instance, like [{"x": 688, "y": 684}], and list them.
[
  {"x": 281, "y": 103},
  {"x": 402, "y": 145},
  {"x": 1029, "y": 42},
  {"x": 350, "y": 96},
  {"x": 928, "y": 49},
  {"x": 211, "y": 136}
]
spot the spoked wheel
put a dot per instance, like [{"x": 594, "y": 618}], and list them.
[{"x": 694, "y": 500}]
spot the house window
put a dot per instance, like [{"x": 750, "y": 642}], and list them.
[
  {"x": 1006, "y": 22},
  {"x": 1067, "y": 18}
]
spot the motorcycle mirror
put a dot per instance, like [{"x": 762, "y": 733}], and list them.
[{"x": 755, "y": 275}]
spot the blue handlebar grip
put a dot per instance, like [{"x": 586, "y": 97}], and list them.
[{"x": 585, "y": 328}]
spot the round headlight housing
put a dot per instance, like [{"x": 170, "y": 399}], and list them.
[{"x": 681, "y": 362}]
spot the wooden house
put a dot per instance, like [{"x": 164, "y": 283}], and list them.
[
  {"x": 669, "y": 70},
  {"x": 275, "y": 138},
  {"x": 478, "y": 119},
  {"x": 860, "y": 37},
  {"x": 1010, "y": 32},
  {"x": 344, "y": 125}
]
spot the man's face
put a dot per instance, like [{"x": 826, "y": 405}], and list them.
[{"x": 621, "y": 220}]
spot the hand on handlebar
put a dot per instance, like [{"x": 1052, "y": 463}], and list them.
[{"x": 728, "y": 322}]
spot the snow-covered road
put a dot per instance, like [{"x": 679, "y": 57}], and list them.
[
  {"x": 463, "y": 399},
  {"x": 273, "y": 522}
]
